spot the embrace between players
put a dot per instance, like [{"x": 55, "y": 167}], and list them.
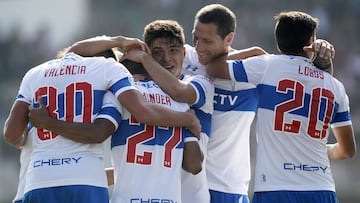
[{"x": 161, "y": 150}]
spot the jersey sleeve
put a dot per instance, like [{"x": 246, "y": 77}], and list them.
[
  {"x": 189, "y": 137},
  {"x": 342, "y": 116},
  {"x": 204, "y": 88},
  {"x": 190, "y": 54},
  {"x": 249, "y": 70},
  {"x": 119, "y": 78},
  {"x": 25, "y": 91},
  {"x": 111, "y": 109}
]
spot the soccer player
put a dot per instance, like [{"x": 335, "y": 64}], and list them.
[
  {"x": 26, "y": 149},
  {"x": 298, "y": 102},
  {"x": 235, "y": 103},
  {"x": 73, "y": 88},
  {"x": 148, "y": 160},
  {"x": 165, "y": 39},
  {"x": 228, "y": 152}
]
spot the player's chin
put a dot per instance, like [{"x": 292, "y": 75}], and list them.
[{"x": 204, "y": 60}]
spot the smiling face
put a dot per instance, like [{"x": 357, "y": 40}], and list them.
[
  {"x": 165, "y": 39},
  {"x": 208, "y": 43},
  {"x": 169, "y": 54}
]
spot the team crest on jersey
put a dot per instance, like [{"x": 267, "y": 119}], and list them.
[
  {"x": 191, "y": 68},
  {"x": 263, "y": 177}
]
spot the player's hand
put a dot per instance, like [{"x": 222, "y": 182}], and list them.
[
  {"x": 195, "y": 128},
  {"x": 128, "y": 43},
  {"x": 135, "y": 55},
  {"x": 322, "y": 49},
  {"x": 323, "y": 54},
  {"x": 39, "y": 116},
  {"x": 25, "y": 134}
]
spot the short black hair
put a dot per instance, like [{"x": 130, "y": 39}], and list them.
[
  {"x": 168, "y": 29},
  {"x": 134, "y": 67},
  {"x": 293, "y": 31},
  {"x": 221, "y": 16}
]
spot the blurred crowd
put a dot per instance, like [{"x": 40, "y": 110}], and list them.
[{"x": 338, "y": 24}]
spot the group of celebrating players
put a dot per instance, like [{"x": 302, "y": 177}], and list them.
[{"x": 179, "y": 117}]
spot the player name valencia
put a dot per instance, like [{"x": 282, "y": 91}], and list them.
[{"x": 65, "y": 70}]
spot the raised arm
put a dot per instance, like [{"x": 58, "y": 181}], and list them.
[
  {"x": 246, "y": 53},
  {"x": 93, "y": 46},
  {"x": 323, "y": 54},
  {"x": 218, "y": 67},
  {"x": 176, "y": 89}
]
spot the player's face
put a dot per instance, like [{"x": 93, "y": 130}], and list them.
[
  {"x": 169, "y": 54},
  {"x": 207, "y": 42}
]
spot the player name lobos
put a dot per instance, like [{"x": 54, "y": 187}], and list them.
[
  {"x": 157, "y": 98},
  {"x": 311, "y": 72},
  {"x": 65, "y": 70}
]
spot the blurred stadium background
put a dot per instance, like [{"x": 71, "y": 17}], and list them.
[{"x": 32, "y": 31}]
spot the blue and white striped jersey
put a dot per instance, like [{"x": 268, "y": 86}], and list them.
[
  {"x": 194, "y": 188},
  {"x": 298, "y": 103},
  {"x": 228, "y": 152},
  {"x": 73, "y": 88},
  {"x": 148, "y": 159}
]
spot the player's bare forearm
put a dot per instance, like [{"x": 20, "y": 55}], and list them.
[
  {"x": 345, "y": 147},
  {"x": 110, "y": 175},
  {"x": 324, "y": 64},
  {"x": 245, "y": 53},
  {"x": 160, "y": 116},
  {"x": 218, "y": 68},
  {"x": 87, "y": 133},
  {"x": 15, "y": 124},
  {"x": 154, "y": 114},
  {"x": 323, "y": 53},
  {"x": 93, "y": 46},
  {"x": 192, "y": 157},
  {"x": 177, "y": 90},
  {"x": 95, "y": 132}
]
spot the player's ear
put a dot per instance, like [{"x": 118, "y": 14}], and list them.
[{"x": 229, "y": 38}]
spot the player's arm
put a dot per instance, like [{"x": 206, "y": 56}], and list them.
[
  {"x": 192, "y": 157},
  {"x": 93, "y": 46},
  {"x": 345, "y": 147},
  {"x": 176, "y": 89},
  {"x": 15, "y": 124},
  {"x": 157, "y": 115},
  {"x": 110, "y": 175},
  {"x": 218, "y": 68},
  {"x": 95, "y": 132},
  {"x": 323, "y": 54},
  {"x": 246, "y": 53}
]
